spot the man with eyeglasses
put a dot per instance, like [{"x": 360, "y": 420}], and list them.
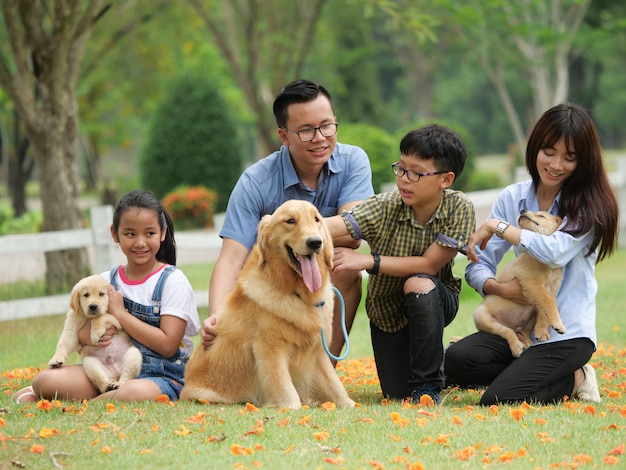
[
  {"x": 310, "y": 165},
  {"x": 414, "y": 234}
]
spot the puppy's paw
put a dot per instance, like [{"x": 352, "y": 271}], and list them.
[
  {"x": 542, "y": 335},
  {"x": 112, "y": 386},
  {"x": 55, "y": 362},
  {"x": 517, "y": 348},
  {"x": 95, "y": 337},
  {"x": 559, "y": 328}
]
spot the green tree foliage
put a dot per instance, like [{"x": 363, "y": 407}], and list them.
[
  {"x": 381, "y": 148},
  {"x": 192, "y": 140}
]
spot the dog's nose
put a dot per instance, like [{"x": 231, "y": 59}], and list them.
[
  {"x": 523, "y": 211},
  {"x": 93, "y": 307},
  {"x": 314, "y": 243}
]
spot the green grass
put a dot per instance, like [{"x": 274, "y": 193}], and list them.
[{"x": 377, "y": 434}]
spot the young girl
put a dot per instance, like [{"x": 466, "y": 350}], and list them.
[
  {"x": 152, "y": 300},
  {"x": 564, "y": 159}
]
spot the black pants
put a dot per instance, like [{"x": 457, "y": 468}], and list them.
[
  {"x": 413, "y": 356},
  {"x": 544, "y": 373}
]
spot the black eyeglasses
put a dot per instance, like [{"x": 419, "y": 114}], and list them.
[
  {"x": 307, "y": 135},
  {"x": 413, "y": 176}
]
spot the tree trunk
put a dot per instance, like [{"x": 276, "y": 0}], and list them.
[
  {"x": 55, "y": 150},
  {"x": 47, "y": 44},
  {"x": 21, "y": 168}
]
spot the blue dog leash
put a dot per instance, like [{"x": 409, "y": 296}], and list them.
[{"x": 343, "y": 329}]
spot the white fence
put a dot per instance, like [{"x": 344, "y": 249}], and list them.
[{"x": 104, "y": 255}]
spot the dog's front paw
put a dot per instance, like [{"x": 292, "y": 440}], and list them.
[
  {"x": 112, "y": 386},
  {"x": 95, "y": 338},
  {"x": 55, "y": 362},
  {"x": 559, "y": 328},
  {"x": 541, "y": 334},
  {"x": 517, "y": 348}
]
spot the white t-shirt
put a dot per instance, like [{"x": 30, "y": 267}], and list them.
[{"x": 177, "y": 299}]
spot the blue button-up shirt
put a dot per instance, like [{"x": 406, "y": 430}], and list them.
[
  {"x": 576, "y": 298},
  {"x": 265, "y": 185}
]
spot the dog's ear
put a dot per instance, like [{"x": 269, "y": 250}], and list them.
[
  {"x": 263, "y": 235},
  {"x": 75, "y": 298}
]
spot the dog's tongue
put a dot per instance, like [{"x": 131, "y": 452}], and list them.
[{"x": 310, "y": 272}]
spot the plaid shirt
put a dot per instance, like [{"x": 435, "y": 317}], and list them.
[{"x": 390, "y": 229}]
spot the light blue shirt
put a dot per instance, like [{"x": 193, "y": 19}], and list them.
[
  {"x": 576, "y": 298},
  {"x": 265, "y": 185}
]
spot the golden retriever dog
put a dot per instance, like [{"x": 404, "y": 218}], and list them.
[
  {"x": 107, "y": 368},
  {"x": 268, "y": 349},
  {"x": 540, "y": 283}
]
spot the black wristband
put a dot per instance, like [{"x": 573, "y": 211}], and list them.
[{"x": 376, "y": 267}]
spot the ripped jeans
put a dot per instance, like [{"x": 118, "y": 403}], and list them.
[{"x": 413, "y": 356}]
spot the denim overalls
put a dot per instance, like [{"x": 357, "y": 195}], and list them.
[{"x": 167, "y": 373}]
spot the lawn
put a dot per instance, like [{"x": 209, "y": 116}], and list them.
[{"x": 376, "y": 434}]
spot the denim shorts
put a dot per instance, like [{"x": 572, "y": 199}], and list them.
[
  {"x": 168, "y": 386},
  {"x": 168, "y": 375}
]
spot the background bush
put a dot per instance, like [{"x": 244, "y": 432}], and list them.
[
  {"x": 191, "y": 207},
  {"x": 379, "y": 145},
  {"x": 193, "y": 140},
  {"x": 30, "y": 222}
]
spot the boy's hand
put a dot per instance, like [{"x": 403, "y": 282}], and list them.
[{"x": 346, "y": 259}]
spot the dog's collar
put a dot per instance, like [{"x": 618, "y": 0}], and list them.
[{"x": 319, "y": 304}]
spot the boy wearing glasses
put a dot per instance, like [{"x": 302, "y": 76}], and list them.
[
  {"x": 414, "y": 234},
  {"x": 310, "y": 165}
]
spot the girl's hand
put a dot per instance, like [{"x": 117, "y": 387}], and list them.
[
  {"x": 346, "y": 259},
  {"x": 116, "y": 302}
]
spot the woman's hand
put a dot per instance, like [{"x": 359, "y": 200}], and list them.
[
  {"x": 511, "y": 290},
  {"x": 480, "y": 237}
]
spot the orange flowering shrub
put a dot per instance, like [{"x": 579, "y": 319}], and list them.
[{"x": 191, "y": 206}]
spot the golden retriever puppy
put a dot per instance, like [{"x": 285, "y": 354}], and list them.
[
  {"x": 540, "y": 284},
  {"x": 107, "y": 368},
  {"x": 268, "y": 349}
]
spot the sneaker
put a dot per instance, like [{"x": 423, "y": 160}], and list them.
[
  {"x": 588, "y": 390},
  {"x": 25, "y": 395},
  {"x": 428, "y": 390}
]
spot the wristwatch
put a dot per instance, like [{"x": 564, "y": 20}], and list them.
[
  {"x": 501, "y": 227},
  {"x": 376, "y": 266}
]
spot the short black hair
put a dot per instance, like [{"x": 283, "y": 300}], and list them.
[
  {"x": 438, "y": 143},
  {"x": 298, "y": 91}
]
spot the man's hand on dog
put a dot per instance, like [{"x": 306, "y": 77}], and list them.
[{"x": 207, "y": 332}]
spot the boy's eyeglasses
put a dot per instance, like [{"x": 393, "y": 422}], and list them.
[
  {"x": 307, "y": 135},
  {"x": 413, "y": 176}
]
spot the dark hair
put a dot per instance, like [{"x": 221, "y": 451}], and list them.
[
  {"x": 299, "y": 91},
  {"x": 146, "y": 200},
  {"x": 438, "y": 143},
  {"x": 587, "y": 198}
]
